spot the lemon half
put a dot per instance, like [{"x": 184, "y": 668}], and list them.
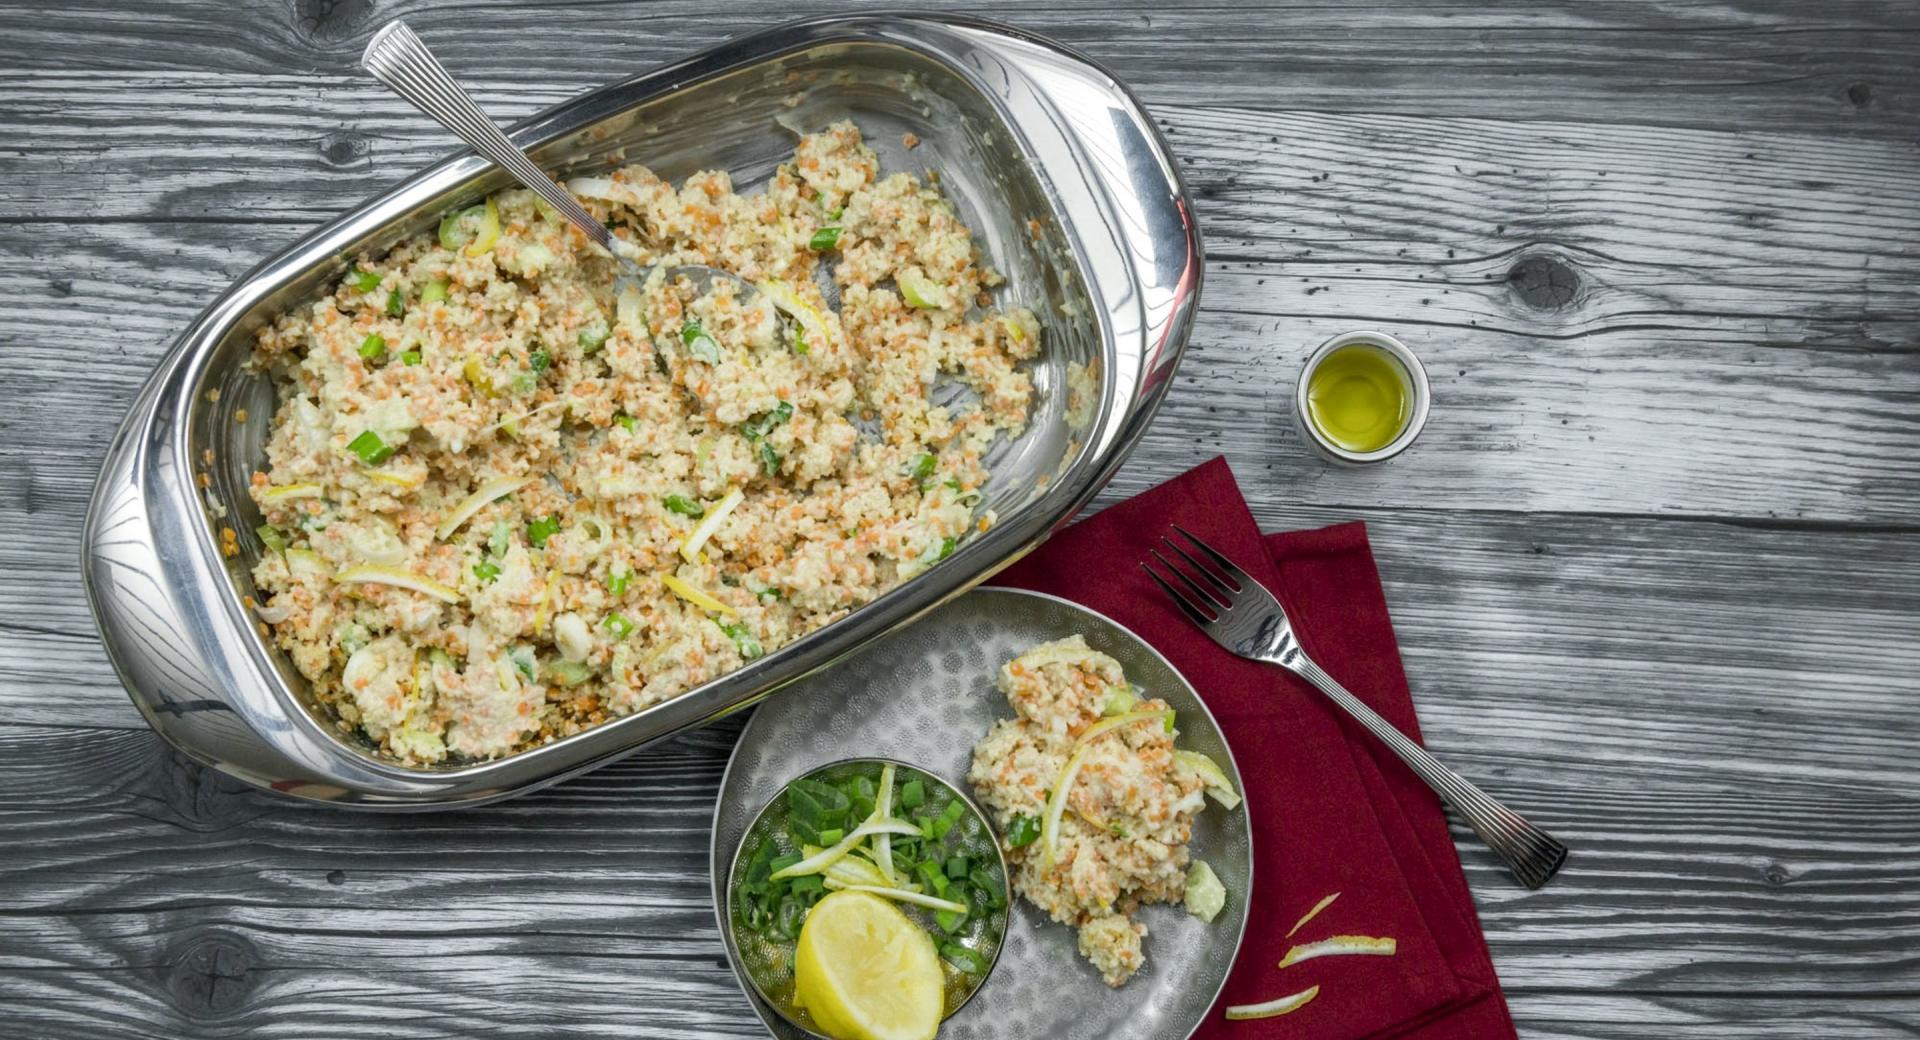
[{"x": 865, "y": 971}]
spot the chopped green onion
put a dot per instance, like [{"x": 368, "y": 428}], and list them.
[
  {"x": 364, "y": 281},
  {"x": 522, "y": 658},
  {"x": 948, "y": 817},
  {"x": 969, "y": 962},
  {"x": 684, "y": 506},
  {"x": 825, "y": 239},
  {"x": 396, "y": 304},
  {"x": 618, "y": 625},
  {"x": 435, "y": 291},
  {"x": 769, "y": 459},
  {"x": 810, "y": 882},
  {"x": 1022, "y": 830},
  {"x": 500, "y": 539},
  {"x": 617, "y": 581},
  {"x": 950, "y": 921},
  {"x": 569, "y": 673},
  {"x": 486, "y": 570},
  {"x": 271, "y": 537},
  {"x": 946, "y": 546},
  {"x": 699, "y": 343},
  {"x": 538, "y": 531},
  {"x": 913, "y": 794},
  {"x": 958, "y": 866},
  {"x": 594, "y": 339},
  {"x": 834, "y": 213},
  {"x": 373, "y": 346},
  {"x": 761, "y": 425},
  {"x": 750, "y": 648},
  {"x": 626, "y": 422},
  {"x": 922, "y": 467},
  {"x": 371, "y": 449},
  {"x": 540, "y": 360},
  {"x": 410, "y": 357},
  {"x": 830, "y": 836}
]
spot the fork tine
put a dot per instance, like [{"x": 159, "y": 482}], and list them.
[
  {"x": 1220, "y": 584},
  {"x": 1192, "y": 611},
  {"x": 1239, "y": 577},
  {"x": 1211, "y": 598}
]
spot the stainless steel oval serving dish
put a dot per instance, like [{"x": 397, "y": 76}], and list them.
[{"x": 1070, "y": 192}]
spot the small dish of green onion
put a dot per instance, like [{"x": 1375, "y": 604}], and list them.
[{"x": 877, "y": 826}]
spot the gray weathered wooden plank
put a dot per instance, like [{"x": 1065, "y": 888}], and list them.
[
  {"x": 1851, "y": 68},
  {"x": 1676, "y": 892},
  {"x": 1727, "y": 330}
]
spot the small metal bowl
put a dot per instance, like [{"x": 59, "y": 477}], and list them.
[
  {"x": 1419, "y": 396},
  {"x": 777, "y": 989}
]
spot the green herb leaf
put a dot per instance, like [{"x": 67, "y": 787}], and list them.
[
  {"x": 769, "y": 459},
  {"x": 540, "y": 361},
  {"x": 626, "y": 422},
  {"x": 363, "y": 281},
  {"x": 371, "y": 449},
  {"x": 486, "y": 570},
  {"x": 825, "y": 240}
]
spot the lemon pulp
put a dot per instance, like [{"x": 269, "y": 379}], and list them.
[
  {"x": 1359, "y": 397},
  {"x": 865, "y": 971}
]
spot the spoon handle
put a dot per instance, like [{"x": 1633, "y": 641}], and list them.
[{"x": 396, "y": 57}]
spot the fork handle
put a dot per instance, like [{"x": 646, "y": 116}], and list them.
[
  {"x": 396, "y": 57},
  {"x": 1532, "y": 854}
]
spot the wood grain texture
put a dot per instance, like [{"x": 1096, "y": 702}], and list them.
[{"x": 1655, "y": 565}]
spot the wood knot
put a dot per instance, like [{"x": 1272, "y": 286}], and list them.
[
  {"x": 1860, "y": 94},
  {"x": 1777, "y": 875},
  {"x": 212, "y": 974},
  {"x": 1544, "y": 283},
  {"x": 343, "y": 147},
  {"x": 200, "y": 799},
  {"x": 329, "y": 21}
]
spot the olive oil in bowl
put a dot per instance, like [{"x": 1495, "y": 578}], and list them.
[{"x": 1362, "y": 398}]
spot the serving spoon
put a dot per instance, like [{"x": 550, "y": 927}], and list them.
[{"x": 397, "y": 58}]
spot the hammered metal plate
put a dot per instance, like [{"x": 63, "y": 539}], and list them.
[{"x": 924, "y": 694}]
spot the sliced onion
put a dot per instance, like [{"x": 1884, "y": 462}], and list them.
[
  {"x": 487, "y": 493},
  {"x": 1272, "y": 1008},
  {"x": 882, "y": 809},
  {"x": 374, "y": 574},
  {"x": 1311, "y": 914},
  {"x": 902, "y": 895},
  {"x": 697, "y": 538},
  {"x": 1209, "y": 771},
  {"x": 1341, "y": 946},
  {"x": 695, "y": 595},
  {"x": 290, "y": 492},
  {"x": 828, "y": 857},
  {"x": 1057, "y": 804}
]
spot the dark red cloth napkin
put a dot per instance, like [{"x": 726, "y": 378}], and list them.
[{"x": 1331, "y": 812}]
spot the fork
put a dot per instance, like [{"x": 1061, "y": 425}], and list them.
[{"x": 1244, "y": 617}]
